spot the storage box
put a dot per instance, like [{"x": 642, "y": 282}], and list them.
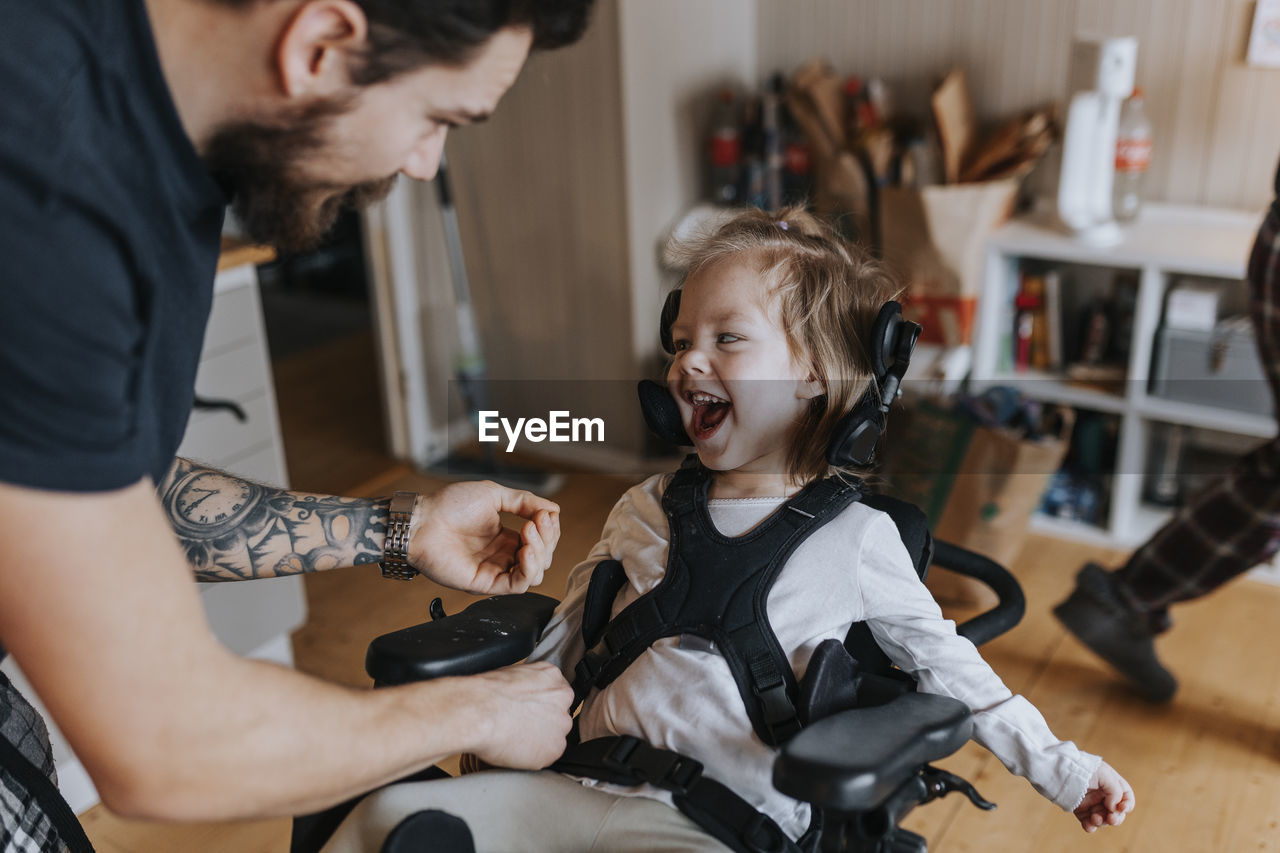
[
  {"x": 1216, "y": 368},
  {"x": 1192, "y": 305}
]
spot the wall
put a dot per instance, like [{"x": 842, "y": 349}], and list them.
[
  {"x": 564, "y": 194},
  {"x": 541, "y": 205},
  {"x": 675, "y": 54},
  {"x": 1216, "y": 122}
]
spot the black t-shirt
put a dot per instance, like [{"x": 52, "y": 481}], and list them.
[{"x": 109, "y": 237}]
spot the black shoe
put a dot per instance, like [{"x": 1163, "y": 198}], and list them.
[{"x": 1098, "y": 617}]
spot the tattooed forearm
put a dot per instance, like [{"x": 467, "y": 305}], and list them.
[{"x": 234, "y": 529}]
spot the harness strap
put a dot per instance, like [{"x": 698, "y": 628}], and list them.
[
  {"x": 627, "y": 760},
  {"x": 607, "y": 579}
]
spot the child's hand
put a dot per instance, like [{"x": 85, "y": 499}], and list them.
[{"x": 1107, "y": 801}]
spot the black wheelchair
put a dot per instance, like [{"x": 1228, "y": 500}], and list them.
[
  {"x": 865, "y": 768},
  {"x": 862, "y": 762}
]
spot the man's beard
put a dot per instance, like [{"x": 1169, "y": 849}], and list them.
[{"x": 259, "y": 164}]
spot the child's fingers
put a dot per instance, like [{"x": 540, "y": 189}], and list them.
[{"x": 1113, "y": 797}]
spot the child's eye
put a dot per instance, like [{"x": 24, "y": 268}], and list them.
[
  {"x": 681, "y": 345},
  {"x": 726, "y": 338}
]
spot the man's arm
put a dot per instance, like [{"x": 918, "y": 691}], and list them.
[
  {"x": 236, "y": 529},
  {"x": 98, "y": 608}
]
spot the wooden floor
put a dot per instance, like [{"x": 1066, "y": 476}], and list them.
[{"x": 1205, "y": 769}]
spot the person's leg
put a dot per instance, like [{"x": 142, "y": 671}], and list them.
[
  {"x": 1234, "y": 524},
  {"x": 1226, "y": 529},
  {"x": 516, "y": 811},
  {"x": 506, "y": 810},
  {"x": 644, "y": 824}
]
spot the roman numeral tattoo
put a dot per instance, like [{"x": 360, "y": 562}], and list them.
[{"x": 235, "y": 529}]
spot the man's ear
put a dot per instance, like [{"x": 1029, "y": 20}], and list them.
[{"x": 318, "y": 45}]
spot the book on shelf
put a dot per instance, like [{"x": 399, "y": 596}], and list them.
[{"x": 1036, "y": 341}]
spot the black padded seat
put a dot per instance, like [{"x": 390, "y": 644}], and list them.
[{"x": 852, "y": 761}]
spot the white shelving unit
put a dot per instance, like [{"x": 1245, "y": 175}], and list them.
[{"x": 1166, "y": 243}]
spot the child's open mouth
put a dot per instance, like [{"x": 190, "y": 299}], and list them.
[{"x": 709, "y": 412}]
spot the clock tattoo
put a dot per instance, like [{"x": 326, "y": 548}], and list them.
[
  {"x": 211, "y": 499},
  {"x": 233, "y": 529}
]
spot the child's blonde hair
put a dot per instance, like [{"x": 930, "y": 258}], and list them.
[{"x": 829, "y": 294}]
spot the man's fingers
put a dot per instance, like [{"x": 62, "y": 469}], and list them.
[
  {"x": 549, "y": 529},
  {"x": 539, "y": 544},
  {"x": 529, "y": 558},
  {"x": 522, "y": 503}
]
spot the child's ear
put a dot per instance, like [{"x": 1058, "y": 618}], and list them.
[{"x": 810, "y": 388}]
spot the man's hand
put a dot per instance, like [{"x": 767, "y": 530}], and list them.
[
  {"x": 1107, "y": 801},
  {"x": 524, "y": 710},
  {"x": 458, "y": 539}
]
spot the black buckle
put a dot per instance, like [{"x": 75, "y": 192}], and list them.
[
  {"x": 681, "y": 775},
  {"x": 778, "y": 713},
  {"x": 622, "y": 751},
  {"x": 662, "y": 768},
  {"x": 760, "y": 831}
]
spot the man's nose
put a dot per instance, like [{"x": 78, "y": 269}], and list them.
[{"x": 424, "y": 160}]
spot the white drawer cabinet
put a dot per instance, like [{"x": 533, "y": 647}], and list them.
[{"x": 249, "y": 618}]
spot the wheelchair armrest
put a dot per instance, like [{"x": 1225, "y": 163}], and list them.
[
  {"x": 487, "y": 635},
  {"x": 854, "y": 760},
  {"x": 1012, "y": 605}
]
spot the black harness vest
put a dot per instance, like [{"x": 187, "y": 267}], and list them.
[{"x": 715, "y": 587}]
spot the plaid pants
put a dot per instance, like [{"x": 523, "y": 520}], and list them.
[{"x": 1234, "y": 523}]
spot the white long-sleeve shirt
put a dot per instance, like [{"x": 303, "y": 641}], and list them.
[{"x": 852, "y": 569}]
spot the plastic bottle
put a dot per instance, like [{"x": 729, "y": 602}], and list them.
[
  {"x": 1133, "y": 155},
  {"x": 725, "y": 150},
  {"x": 771, "y": 123},
  {"x": 751, "y": 184}
]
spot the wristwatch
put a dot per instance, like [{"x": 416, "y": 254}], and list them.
[{"x": 395, "y": 552}]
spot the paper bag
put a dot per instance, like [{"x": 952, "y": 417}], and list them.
[
  {"x": 978, "y": 486},
  {"x": 997, "y": 489},
  {"x": 934, "y": 239}
]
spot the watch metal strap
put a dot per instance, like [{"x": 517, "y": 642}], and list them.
[{"x": 395, "y": 553}]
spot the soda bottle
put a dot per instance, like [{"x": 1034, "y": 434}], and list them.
[
  {"x": 771, "y": 124},
  {"x": 1133, "y": 155},
  {"x": 751, "y": 184},
  {"x": 726, "y": 150}
]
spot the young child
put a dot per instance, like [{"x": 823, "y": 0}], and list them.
[{"x": 770, "y": 353}]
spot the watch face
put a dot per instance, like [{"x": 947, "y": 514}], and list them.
[{"x": 211, "y": 499}]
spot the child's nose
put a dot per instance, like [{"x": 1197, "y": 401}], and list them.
[{"x": 693, "y": 360}]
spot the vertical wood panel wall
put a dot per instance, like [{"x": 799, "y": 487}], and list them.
[
  {"x": 542, "y": 210},
  {"x": 564, "y": 194},
  {"x": 1216, "y": 120}
]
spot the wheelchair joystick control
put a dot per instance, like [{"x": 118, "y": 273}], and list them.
[{"x": 436, "y": 609}]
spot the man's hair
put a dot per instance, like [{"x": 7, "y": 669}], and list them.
[
  {"x": 828, "y": 293},
  {"x": 407, "y": 34}
]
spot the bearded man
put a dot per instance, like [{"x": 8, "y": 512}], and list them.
[{"x": 126, "y": 128}]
